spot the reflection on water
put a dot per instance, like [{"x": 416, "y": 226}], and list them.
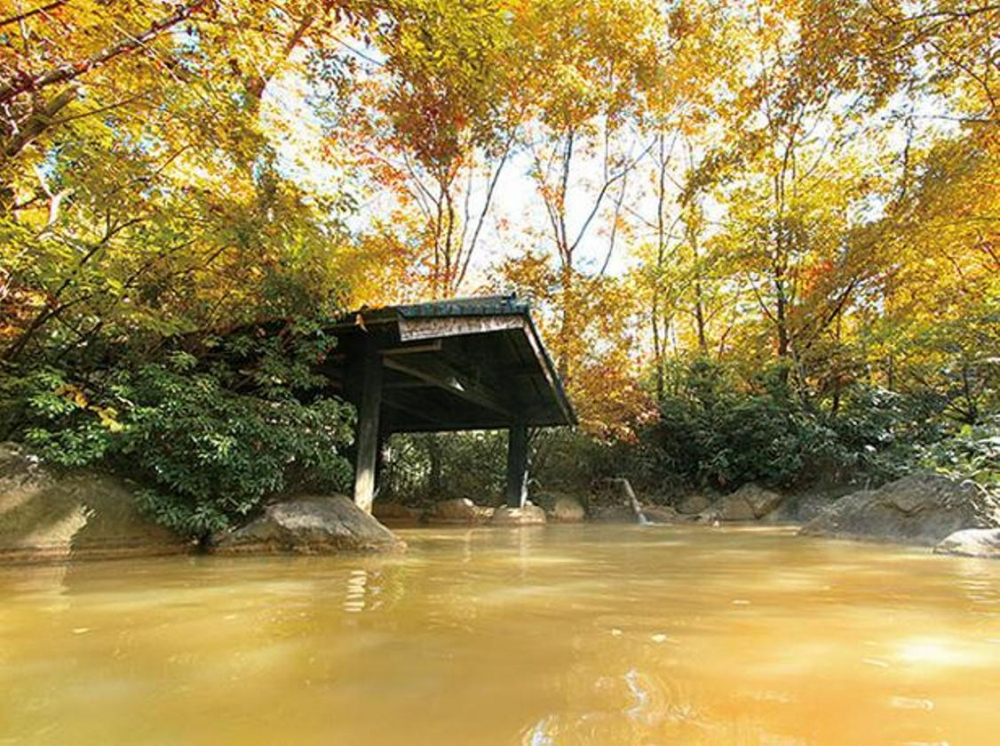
[{"x": 588, "y": 634}]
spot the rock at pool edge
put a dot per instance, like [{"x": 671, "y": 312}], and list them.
[
  {"x": 972, "y": 542},
  {"x": 312, "y": 524}
]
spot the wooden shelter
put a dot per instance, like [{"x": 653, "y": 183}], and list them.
[{"x": 463, "y": 364}]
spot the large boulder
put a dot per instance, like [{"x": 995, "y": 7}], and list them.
[
  {"x": 566, "y": 509},
  {"x": 527, "y": 515},
  {"x": 918, "y": 509},
  {"x": 613, "y": 514},
  {"x": 694, "y": 504},
  {"x": 83, "y": 515},
  {"x": 748, "y": 503},
  {"x": 972, "y": 542},
  {"x": 312, "y": 524},
  {"x": 804, "y": 507},
  {"x": 660, "y": 514},
  {"x": 709, "y": 517},
  {"x": 461, "y": 510}
]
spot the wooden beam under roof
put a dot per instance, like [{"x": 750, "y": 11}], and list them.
[
  {"x": 443, "y": 376},
  {"x": 411, "y": 349}
]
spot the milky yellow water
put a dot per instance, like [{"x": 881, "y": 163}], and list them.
[{"x": 600, "y": 635}]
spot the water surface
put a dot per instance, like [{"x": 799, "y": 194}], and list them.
[{"x": 601, "y": 635}]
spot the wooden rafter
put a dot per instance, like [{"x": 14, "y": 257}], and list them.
[{"x": 443, "y": 376}]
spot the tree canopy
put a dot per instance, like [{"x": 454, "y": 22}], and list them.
[{"x": 796, "y": 186}]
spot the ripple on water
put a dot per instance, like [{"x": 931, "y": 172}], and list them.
[{"x": 563, "y": 635}]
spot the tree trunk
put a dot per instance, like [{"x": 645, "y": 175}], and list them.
[
  {"x": 566, "y": 325},
  {"x": 434, "y": 480},
  {"x": 657, "y": 346}
]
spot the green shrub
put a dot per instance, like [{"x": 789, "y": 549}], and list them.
[
  {"x": 570, "y": 460},
  {"x": 973, "y": 453},
  {"x": 210, "y": 437},
  {"x": 473, "y": 464},
  {"x": 215, "y": 456},
  {"x": 56, "y": 418},
  {"x": 719, "y": 430},
  {"x": 435, "y": 466}
]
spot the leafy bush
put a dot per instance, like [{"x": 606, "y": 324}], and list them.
[
  {"x": 973, "y": 453},
  {"x": 435, "y": 466},
  {"x": 879, "y": 432},
  {"x": 56, "y": 418},
  {"x": 719, "y": 430},
  {"x": 564, "y": 459},
  {"x": 210, "y": 438},
  {"x": 216, "y": 455},
  {"x": 473, "y": 464}
]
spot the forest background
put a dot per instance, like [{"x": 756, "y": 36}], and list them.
[{"x": 760, "y": 236}]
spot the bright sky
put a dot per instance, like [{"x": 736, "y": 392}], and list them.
[{"x": 517, "y": 219}]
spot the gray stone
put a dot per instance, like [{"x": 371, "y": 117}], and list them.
[
  {"x": 528, "y": 515},
  {"x": 461, "y": 510},
  {"x": 566, "y": 509},
  {"x": 311, "y": 524},
  {"x": 749, "y": 503},
  {"x": 802, "y": 508},
  {"x": 711, "y": 517},
  {"x": 81, "y": 515},
  {"x": 920, "y": 509},
  {"x": 735, "y": 508},
  {"x": 694, "y": 504},
  {"x": 612, "y": 514},
  {"x": 394, "y": 511},
  {"x": 660, "y": 514},
  {"x": 972, "y": 542}
]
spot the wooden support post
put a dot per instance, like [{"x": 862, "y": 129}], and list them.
[
  {"x": 517, "y": 466},
  {"x": 367, "y": 441}
]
